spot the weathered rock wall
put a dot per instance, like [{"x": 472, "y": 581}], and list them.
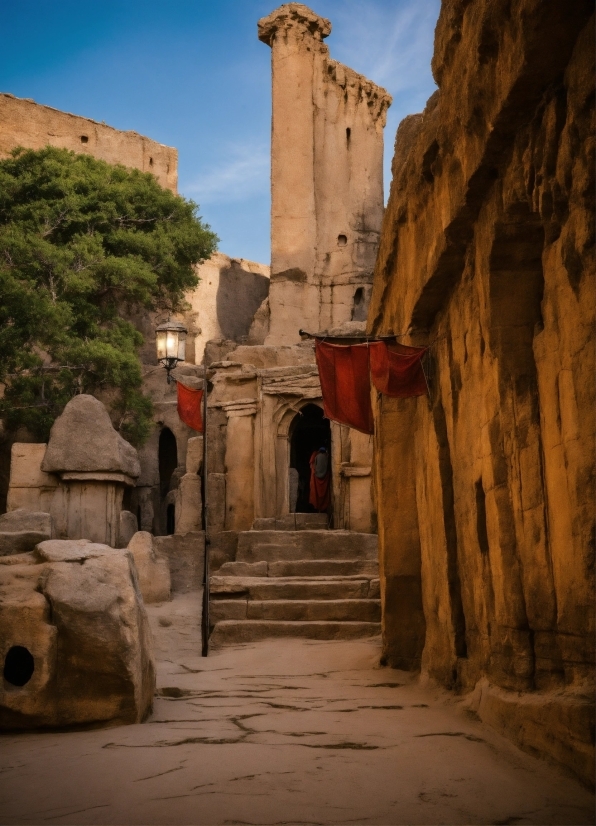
[
  {"x": 32, "y": 125},
  {"x": 485, "y": 491}
]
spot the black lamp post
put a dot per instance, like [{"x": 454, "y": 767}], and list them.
[{"x": 170, "y": 341}]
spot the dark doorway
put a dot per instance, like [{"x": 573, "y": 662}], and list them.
[
  {"x": 168, "y": 459},
  {"x": 309, "y": 432}
]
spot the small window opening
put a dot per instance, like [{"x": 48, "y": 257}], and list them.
[
  {"x": 170, "y": 520},
  {"x": 342, "y": 240},
  {"x": 348, "y": 136},
  {"x": 84, "y": 139},
  {"x": 150, "y": 161},
  {"x": 19, "y": 666}
]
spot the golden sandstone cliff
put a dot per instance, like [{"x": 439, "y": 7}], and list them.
[{"x": 485, "y": 491}]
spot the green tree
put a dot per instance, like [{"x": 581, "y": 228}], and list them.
[{"x": 83, "y": 245}]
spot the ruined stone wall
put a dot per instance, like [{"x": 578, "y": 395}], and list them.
[
  {"x": 485, "y": 492},
  {"x": 326, "y": 178},
  {"x": 32, "y": 125}
]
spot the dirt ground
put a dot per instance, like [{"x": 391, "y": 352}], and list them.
[{"x": 282, "y": 732}]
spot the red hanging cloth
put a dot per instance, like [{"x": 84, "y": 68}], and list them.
[
  {"x": 190, "y": 406},
  {"x": 396, "y": 370},
  {"x": 345, "y": 384}
]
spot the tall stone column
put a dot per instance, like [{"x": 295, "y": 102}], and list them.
[
  {"x": 239, "y": 462},
  {"x": 295, "y": 35}
]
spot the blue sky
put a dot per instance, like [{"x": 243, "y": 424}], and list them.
[{"x": 192, "y": 74}]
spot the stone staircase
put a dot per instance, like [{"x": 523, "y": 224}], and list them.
[{"x": 318, "y": 584}]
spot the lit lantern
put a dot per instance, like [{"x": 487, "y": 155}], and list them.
[{"x": 170, "y": 340}]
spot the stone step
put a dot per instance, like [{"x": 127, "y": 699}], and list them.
[
  {"x": 302, "y": 568},
  {"x": 273, "y": 546},
  {"x": 293, "y": 588},
  {"x": 293, "y": 522},
  {"x": 324, "y": 567},
  {"x": 310, "y": 610},
  {"x": 231, "y": 632}
]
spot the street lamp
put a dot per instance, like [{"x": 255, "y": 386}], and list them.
[{"x": 170, "y": 340}]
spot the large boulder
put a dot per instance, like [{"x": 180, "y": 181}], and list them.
[
  {"x": 152, "y": 568},
  {"x": 75, "y": 643},
  {"x": 83, "y": 440},
  {"x": 21, "y": 530}
]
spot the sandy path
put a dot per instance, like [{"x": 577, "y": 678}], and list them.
[{"x": 282, "y": 732}]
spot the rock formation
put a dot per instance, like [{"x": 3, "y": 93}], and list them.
[
  {"x": 75, "y": 643},
  {"x": 152, "y": 568},
  {"x": 485, "y": 490}
]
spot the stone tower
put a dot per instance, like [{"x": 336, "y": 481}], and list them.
[{"x": 326, "y": 178}]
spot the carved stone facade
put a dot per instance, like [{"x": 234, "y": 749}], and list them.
[{"x": 265, "y": 410}]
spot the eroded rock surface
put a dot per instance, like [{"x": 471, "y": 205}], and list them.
[
  {"x": 152, "y": 568},
  {"x": 21, "y": 530},
  {"x": 104, "y": 450},
  {"x": 74, "y": 638},
  {"x": 485, "y": 493}
]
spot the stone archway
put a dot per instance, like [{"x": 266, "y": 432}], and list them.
[
  {"x": 308, "y": 431},
  {"x": 168, "y": 462}
]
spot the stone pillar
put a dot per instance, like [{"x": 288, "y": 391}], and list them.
[
  {"x": 326, "y": 178},
  {"x": 88, "y": 506},
  {"x": 295, "y": 35},
  {"x": 239, "y": 463}
]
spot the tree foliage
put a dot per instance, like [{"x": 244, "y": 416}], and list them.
[{"x": 83, "y": 244}]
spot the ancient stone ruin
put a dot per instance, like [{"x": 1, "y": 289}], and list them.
[{"x": 481, "y": 493}]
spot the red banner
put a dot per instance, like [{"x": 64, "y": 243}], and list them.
[
  {"x": 190, "y": 403},
  {"x": 345, "y": 383},
  {"x": 396, "y": 370}
]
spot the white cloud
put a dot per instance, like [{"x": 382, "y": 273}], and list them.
[{"x": 244, "y": 173}]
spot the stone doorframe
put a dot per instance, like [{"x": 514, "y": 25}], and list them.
[{"x": 272, "y": 493}]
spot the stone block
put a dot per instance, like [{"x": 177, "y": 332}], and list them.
[
  {"x": 222, "y": 548},
  {"x": 152, "y": 568},
  {"x": 243, "y": 569},
  {"x": 194, "y": 454},
  {"x": 87, "y": 659},
  {"x": 127, "y": 528},
  {"x": 226, "y": 609},
  {"x": 22, "y": 520},
  {"x": 314, "y": 610},
  {"x": 186, "y": 558},
  {"x": 189, "y": 504},
  {"x": 18, "y": 542},
  {"x": 25, "y": 466},
  {"x": 232, "y": 632}
]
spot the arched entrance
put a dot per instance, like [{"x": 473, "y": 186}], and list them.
[
  {"x": 168, "y": 462},
  {"x": 168, "y": 459},
  {"x": 308, "y": 432}
]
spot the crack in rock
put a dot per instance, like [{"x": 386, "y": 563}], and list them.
[{"x": 471, "y": 737}]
